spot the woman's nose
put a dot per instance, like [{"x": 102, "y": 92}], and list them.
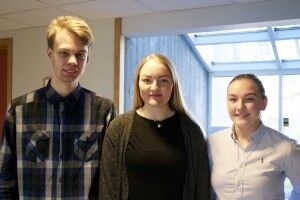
[
  {"x": 155, "y": 84},
  {"x": 240, "y": 104}
]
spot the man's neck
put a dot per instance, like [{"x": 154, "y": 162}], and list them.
[{"x": 63, "y": 89}]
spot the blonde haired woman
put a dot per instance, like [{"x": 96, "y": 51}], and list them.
[{"x": 155, "y": 151}]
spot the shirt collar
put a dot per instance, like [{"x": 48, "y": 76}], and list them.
[
  {"x": 53, "y": 97},
  {"x": 254, "y": 137}
]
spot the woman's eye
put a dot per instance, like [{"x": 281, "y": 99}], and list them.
[
  {"x": 250, "y": 99},
  {"x": 165, "y": 81},
  {"x": 232, "y": 100},
  {"x": 146, "y": 80}
]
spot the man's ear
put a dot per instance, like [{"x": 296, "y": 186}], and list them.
[{"x": 49, "y": 53}]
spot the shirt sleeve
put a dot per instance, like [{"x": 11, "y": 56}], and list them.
[
  {"x": 293, "y": 170},
  {"x": 111, "y": 114},
  {"x": 8, "y": 161}
]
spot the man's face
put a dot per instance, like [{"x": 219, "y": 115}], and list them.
[{"x": 69, "y": 57}]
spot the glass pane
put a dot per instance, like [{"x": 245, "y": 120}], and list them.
[
  {"x": 291, "y": 106},
  {"x": 270, "y": 115},
  {"x": 219, "y": 116},
  {"x": 246, "y": 30},
  {"x": 237, "y": 52},
  {"x": 288, "y": 49},
  {"x": 219, "y": 108}
]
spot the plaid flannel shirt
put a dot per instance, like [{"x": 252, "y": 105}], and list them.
[{"x": 51, "y": 146}]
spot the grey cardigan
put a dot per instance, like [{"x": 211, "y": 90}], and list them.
[{"x": 113, "y": 175}]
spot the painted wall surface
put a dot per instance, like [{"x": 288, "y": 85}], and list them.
[
  {"x": 193, "y": 78},
  {"x": 30, "y": 62}
]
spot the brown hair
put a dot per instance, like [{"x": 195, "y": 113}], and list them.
[
  {"x": 73, "y": 24},
  {"x": 175, "y": 102},
  {"x": 253, "y": 78}
]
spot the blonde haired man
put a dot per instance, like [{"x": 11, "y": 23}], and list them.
[{"x": 52, "y": 137}]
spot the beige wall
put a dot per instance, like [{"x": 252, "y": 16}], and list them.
[{"x": 30, "y": 63}]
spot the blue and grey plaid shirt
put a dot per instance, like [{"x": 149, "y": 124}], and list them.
[{"x": 50, "y": 146}]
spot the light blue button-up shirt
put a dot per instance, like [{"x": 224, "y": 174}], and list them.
[{"x": 256, "y": 172}]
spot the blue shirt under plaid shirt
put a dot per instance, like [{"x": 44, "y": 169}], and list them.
[{"x": 51, "y": 146}]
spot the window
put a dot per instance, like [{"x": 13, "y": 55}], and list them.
[
  {"x": 257, "y": 49},
  {"x": 236, "y": 52}
]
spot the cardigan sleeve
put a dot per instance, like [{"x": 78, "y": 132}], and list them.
[
  {"x": 203, "y": 183},
  {"x": 109, "y": 172},
  {"x": 198, "y": 176}
]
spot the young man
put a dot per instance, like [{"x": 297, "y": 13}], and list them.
[{"x": 52, "y": 137}]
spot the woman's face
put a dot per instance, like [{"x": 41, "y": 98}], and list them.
[
  {"x": 155, "y": 84},
  {"x": 244, "y": 103}
]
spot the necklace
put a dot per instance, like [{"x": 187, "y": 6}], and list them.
[
  {"x": 158, "y": 124},
  {"x": 145, "y": 113}
]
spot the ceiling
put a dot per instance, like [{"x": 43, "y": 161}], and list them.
[{"x": 19, "y": 14}]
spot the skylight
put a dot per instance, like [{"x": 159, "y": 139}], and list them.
[{"x": 266, "y": 47}]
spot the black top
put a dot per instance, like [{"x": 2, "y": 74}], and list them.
[{"x": 156, "y": 159}]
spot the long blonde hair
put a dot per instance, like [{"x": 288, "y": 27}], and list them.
[{"x": 176, "y": 103}]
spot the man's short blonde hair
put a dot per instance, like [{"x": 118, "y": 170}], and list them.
[{"x": 73, "y": 24}]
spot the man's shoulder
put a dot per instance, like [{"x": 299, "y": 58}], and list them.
[
  {"x": 27, "y": 97},
  {"x": 99, "y": 100}
]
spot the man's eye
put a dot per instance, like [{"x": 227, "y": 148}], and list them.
[
  {"x": 80, "y": 56},
  {"x": 64, "y": 53}
]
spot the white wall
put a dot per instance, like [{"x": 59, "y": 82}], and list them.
[
  {"x": 30, "y": 63},
  {"x": 99, "y": 75}
]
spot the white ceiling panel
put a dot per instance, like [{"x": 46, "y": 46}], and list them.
[
  {"x": 62, "y": 2},
  {"x": 24, "y": 13},
  {"x": 169, "y": 5},
  {"x": 10, "y": 25},
  {"x": 36, "y": 17},
  {"x": 107, "y": 9},
  {"x": 247, "y": 1},
  {"x": 9, "y": 6}
]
